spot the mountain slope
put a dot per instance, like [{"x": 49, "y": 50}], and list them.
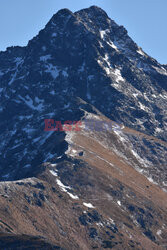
[
  {"x": 93, "y": 197},
  {"x": 84, "y": 67},
  {"x": 85, "y": 55}
]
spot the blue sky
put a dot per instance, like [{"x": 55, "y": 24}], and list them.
[{"x": 145, "y": 20}]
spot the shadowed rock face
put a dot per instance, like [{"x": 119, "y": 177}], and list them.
[
  {"x": 86, "y": 189},
  {"x": 24, "y": 242}
]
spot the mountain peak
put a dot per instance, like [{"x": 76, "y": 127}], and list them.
[
  {"x": 61, "y": 16},
  {"x": 95, "y": 10},
  {"x": 64, "y": 12}
]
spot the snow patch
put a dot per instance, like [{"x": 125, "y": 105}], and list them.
[
  {"x": 160, "y": 70},
  {"x": 53, "y": 165},
  {"x": 29, "y": 102},
  {"x": 119, "y": 203},
  {"x": 143, "y": 161},
  {"x": 74, "y": 197},
  {"x": 54, "y": 172},
  {"x": 143, "y": 107},
  {"x": 164, "y": 96},
  {"x": 104, "y": 62},
  {"x": 68, "y": 138},
  {"x": 120, "y": 135},
  {"x": 52, "y": 92},
  {"x": 99, "y": 224},
  {"x": 64, "y": 189},
  {"x": 118, "y": 76},
  {"x": 101, "y": 45},
  {"x": 135, "y": 95},
  {"x": 111, "y": 44},
  {"x": 62, "y": 186},
  {"x": 6, "y": 176},
  {"x": 52, "y": 70},
  {"x": 103, "y": 33},
  {"x": 139, "y": 51},
  {"x": 64, "y": 73},
  {"x": 54, "y": 34},
  {"x": 82, "y": 68},
  {"x": 159, "y": 232},
  {"x": 150, "y": 179},
  {"x": 45, "y": 58},
  {"x": 158, "y": 130},
  {"x": 27, "y": 166},
  {"x": 89, "y": 205},
  {"x": 45, "y": 136},
  {"x": 18, "y": 61}
]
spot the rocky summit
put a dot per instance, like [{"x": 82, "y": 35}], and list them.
[{"x": 98, "y": 186}]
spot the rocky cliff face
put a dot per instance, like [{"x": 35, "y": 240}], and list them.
[{"x": 83, "y": 66}]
